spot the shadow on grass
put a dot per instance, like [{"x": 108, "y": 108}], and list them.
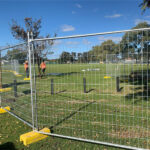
[
  {"x": 70, "y": 115},
  {"x": 57, "y": 74},
  {"x": 27, "y": 92},
  {"x": 12, "y": 84},
  {"x": 7, "y": 146},
  {"x": 60, "y": 92},
  {"x": 90, "y": 90},
  {"x": 141, "y": 80}
]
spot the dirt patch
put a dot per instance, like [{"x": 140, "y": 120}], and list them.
[{"x": 130, "y": 133}]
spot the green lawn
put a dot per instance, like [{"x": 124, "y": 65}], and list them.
[{"x": 101, "y": 114}]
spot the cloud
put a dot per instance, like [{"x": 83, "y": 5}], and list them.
[
  {"x": 147, "y": 16},
  {"x": 78, "y": 5},
  {"x": 86, "y": 42},
  {"x": 66, "y": 28},
  {"x": 115, "y": 39},
  {"x": 57, "y": 42},
  {"x": 72, "y": 43},
  {"x": 73, "y": 12},
  {"x": 114, "y": 16},
  {"x": 137, "y": 21}
]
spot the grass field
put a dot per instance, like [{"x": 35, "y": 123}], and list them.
[{"x": 101, "y": 114}]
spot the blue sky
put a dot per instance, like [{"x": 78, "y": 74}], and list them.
[{"x": 71, "y": 17}]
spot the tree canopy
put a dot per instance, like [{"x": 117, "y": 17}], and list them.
[
  {"x": 41, "y": 49},
  {"x": 144, "y": 5}
]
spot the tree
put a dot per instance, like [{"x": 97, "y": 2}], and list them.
[
  {"x": 79, "y": 55},
  {"x": 16, "y": 54},
  {"x": 73, "y": 57},
  {"x": 99, "y": 52},
  {"x": 65, "y": 57},
  {"x": 41, "y": 49},
  {"x": 136, "y": 42},
  {"x": 144, "y": 5}
]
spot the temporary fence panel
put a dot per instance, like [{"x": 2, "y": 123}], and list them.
[
  {"x": 74, "y": 96},
  {"x": 77, "y": 100},
  {"x": 16, "y": 90}
]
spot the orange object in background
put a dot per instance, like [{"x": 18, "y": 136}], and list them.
[
  {"x": 26, "y": 65},
  {"x": 43, "y": 65}
]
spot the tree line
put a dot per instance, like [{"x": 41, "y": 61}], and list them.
[{"x": 136, "y": 42}]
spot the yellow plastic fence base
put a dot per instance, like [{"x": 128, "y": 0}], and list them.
[
  {"x": 26, "y": 79},
  {"x": 32, "y": 137},
  {"x": 14, "y": 72},
  {"x": 5, "y": 89},
  {"x": 4, "y": 111},
  {"x": 107, "y": 77}
]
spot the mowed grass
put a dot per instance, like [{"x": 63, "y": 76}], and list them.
[
  {"x": 101, "y": 114},
  {"x": 11, "y": 129}
]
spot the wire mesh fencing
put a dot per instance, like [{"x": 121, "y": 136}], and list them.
[
  {"x": 16, "y": 90},
  {"x": 92, "y": 88},
  {"x": 77, "y": 100}
]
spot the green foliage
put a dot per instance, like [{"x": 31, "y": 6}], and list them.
[
  {"x": 136, "y": 42},
  {"x": 41, "y": 49},
  {"x": 144, "y": 5},
  {"x": 16, "y": 54},
  {"x": 99, "y": 52},
  {"x": 31, "y": 25}
]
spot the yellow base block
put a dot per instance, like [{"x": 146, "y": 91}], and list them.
[
  {"x": 26, "y": 79},
  {"x": 5, "y": 89},
  {"x": 18, "y": 75},
  {"x": 4, "y": 111},
  {"x": 107, "y": 77},
  {"x": 32, "y": 137}
]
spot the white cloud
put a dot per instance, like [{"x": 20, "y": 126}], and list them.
[
  {"x": 114, "y": 16},
  {"x": 73, "y": 12},
  {"x": 147, "y": 16},
  {"x": 86, "y": 42},
  {"x": 137, "y": 21},
  {"x": 115, "y": 39},
  {"x": 57, "y": 42},
  {"x": 72, "y": 43},
  {"x": 66, "y": 28},
  {"x": 78, "y": 5}
]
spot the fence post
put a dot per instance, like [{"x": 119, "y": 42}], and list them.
[
  {"x": 34, "y": 79},
  {"x": 31, "y": 85},
  {"x": 84, "y": 84},
  {"x": 52, "y": 86},
  {"x": 15, "y": 88},
  {"x": 117, "y": 84}
]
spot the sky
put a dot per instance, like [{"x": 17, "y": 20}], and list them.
[{"x": 71, "y": 17}]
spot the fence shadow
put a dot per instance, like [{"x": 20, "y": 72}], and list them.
[
  {"x": 12, "y": 84},
  {"x": 70, "y": 115},
  {"x": 140, "y": 79},
  {"x": 7, "y": 146}
]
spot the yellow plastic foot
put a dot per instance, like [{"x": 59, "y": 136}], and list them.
[
  {"x": 5, "y": 89},
  {"x": 107, "y": 77},
  {"x": 32, "y": 137},
  {"x": 18, "y": 75},
  {"x": 4, "y": 111},
  {"x": 26, "y": 79}
]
